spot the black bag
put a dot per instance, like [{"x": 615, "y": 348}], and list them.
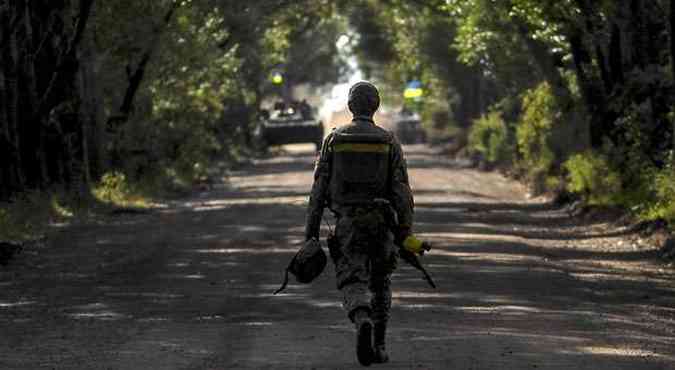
[{"x": 306, "y": 265}]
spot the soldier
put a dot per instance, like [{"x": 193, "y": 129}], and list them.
[{"x": 361, "y": 165}]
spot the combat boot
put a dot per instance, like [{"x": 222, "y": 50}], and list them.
[
  {"x": 380, "y": 355},
  {"x": 364, "y": 337}
]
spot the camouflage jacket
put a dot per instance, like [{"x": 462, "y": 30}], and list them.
[{"x": 399, "y": 194}]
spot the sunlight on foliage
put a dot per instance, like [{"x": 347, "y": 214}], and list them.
[
  {"x": 114, "y": 189},
  {"x": 592, "y": 176},
  {"x": 664, "y": 187},
  {"x": 27, "y": 217},
  {"x": 489, "y": 137},
  {"x": 534, "y": 129}
]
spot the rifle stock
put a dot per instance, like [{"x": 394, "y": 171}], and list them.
[
  {"x": 413, "y": 261},
  {"x": 406, "y": 255}
]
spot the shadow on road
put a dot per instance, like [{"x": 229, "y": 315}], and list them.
[{"x": 521, "y": 285}]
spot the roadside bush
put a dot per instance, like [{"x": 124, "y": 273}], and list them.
[
  {"x": 489, "y": 137},
  {"x": 115, "y": 189},
  {"x": 27, "y": 216},
  {"x": 592, "y": 176},
  {"x": 664, "y": 190},
  {"x": 534, "y": 131}
]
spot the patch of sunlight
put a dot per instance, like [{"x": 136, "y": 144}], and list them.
[
  {"x": 517, "y": 308},
  {"x": 60, "y": 210},
  {"x": 623, "y": 351},
  {"x": 279, "y": 295},
  {"x": 165, "y": 344},
  {"x": 295, "y": 240},
  {"x": 92, "y": 306},
  {"x": 179, "y": 264},
  {"x": 425, "y": 338},
  {"x": 215, "y": 205},
  {"x": 416, "y": 306},
  {"x": 503, "y": 237},
  {"x": 257, "y": 323},
  {"x": 413, "y": 294},
  {"x": 15, "y": 304},
  {"x": 442, "y": 209},
  {"x": 153, "y": 319},
  {"x": 273, "y": 287},
  {"x": 477, "y": 224},
  {"x": 498, "y": 308},
  {"x": 479, "y": 309},
  {"x": 194, "y": 276},
  {"x": 207, "y": 237},
  {"x": 252, "y": 228},
  {"x": 483, "y": 256},
  {"x": 145, "y": 295},
  {"x": 611, "y": 270},
  {"x": 341, "y": 327},
  {"x": 325, "y": 304},
  {"x": 209, "y": 318},
  {"x": 218, "y": 265},
  {"x": 253, "y": 250},
  {"x": 114, "y": 189},
  {"x": 603, "y": 264},
  {"x": 509, "y": 332},
  {"x": 101, "y": 315}
]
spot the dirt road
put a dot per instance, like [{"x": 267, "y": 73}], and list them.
[{"x": 521, "y": 285}]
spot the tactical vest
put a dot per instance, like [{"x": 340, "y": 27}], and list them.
[{"x": 360, "y": 168}]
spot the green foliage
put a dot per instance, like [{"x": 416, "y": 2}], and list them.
[
  {"x": 114, "y": 189},
  {"x": 664, "y": 205},
  {"x": 649, "y": 192},
  {"x": 592, "y": 176},
  {"x": 490, "y": 138},
  {"x": 27, "y": 216},
  {"x": 206, "y": 78},
  {"x": 534, "y": 130}
]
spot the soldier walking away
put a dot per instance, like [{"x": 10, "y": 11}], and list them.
[{"x": 360, "y": 176}]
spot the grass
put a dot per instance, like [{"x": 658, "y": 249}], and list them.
[
  {"x": 28, "y": 216},
  {"x": 114, "y": 190}
]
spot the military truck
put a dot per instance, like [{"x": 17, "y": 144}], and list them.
[
  {"x": 407, "y": 126},
  {"x": 289, "y": 124}
]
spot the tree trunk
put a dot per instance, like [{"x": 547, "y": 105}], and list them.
[
  {"x": 592, "y": 91},
  {"x": 672, "y": 65},
  {"x": 85, "y": 119},
  {"x": 542, "y": 56},
  {"x": 7, "y": 178},
  {"x": 616, "y": 56},
  {"x": 136, "y": 77},
  {"x": 11, "y": 59},
  {"x": 640, "y": 36},
  {"x": 30, "y": 77},
  {"x": 592, "y": 20}
]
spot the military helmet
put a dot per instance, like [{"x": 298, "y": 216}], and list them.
[
  {"x": 364, "y": 99},
  {"x": 307, "y": 264}
]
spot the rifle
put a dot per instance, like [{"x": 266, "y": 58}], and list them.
[{"x": 408, "y": 256}]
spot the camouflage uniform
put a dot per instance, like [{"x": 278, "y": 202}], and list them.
[{"x": 366, "y": 256}]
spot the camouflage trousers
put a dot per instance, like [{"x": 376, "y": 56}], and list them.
[{"x": 364, "y": 257}]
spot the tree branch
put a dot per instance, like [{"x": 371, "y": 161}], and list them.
[
  {"x": 64, "y": 57},
  {"x": 138, "y": 74}
]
